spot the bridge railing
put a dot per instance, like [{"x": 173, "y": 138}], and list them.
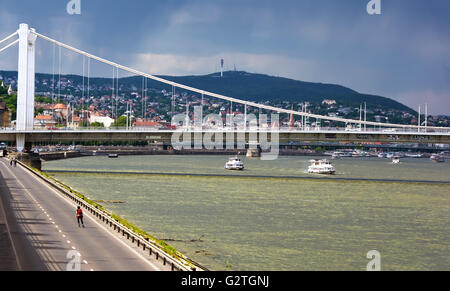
[{"x": 240, "y": 129}]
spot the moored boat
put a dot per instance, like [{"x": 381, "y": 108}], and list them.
[
  {"x": 390, "y": 155},
  {"x": 437, "y": 158},
  {"x": 335, "y": 156},
  {"x": 415, "y": 156}
]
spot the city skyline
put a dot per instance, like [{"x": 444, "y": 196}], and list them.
[{"x": 402, "y": 54}]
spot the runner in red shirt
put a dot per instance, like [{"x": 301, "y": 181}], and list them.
[{"x": 80, "y": 217}]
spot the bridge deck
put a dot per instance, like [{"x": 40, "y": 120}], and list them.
[
  {"x": 282, "y": 136},
  {"x": 46, "y": 220}
]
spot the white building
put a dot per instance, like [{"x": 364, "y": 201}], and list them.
[
  {"x": 106, "y": 120},
  {"x": 10, "y": 91},
  {"x": 329, "y": 102}
]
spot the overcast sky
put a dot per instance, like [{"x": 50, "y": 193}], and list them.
[{"x": 404, "y": 53}]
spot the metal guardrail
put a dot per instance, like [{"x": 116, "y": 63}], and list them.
[
  {"x": 240, "y": 129},
  {"x": 140, "y": 241}
]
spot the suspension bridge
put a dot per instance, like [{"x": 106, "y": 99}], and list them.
[
  {"x": 40, "y": 220},
  {"x": 25, "y": 134}
]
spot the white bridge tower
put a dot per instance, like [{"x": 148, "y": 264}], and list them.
[{"x": 26, "y": 80}]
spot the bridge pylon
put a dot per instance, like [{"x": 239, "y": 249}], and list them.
[{"x": 26, "y": 83}]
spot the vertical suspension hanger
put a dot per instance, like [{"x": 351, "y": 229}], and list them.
[
  {"x": 112, "y": 95},
  {"x": 203, "y": 98},
  {"x": 53, "y": 80},
  {"x": 117, "y": 91},
  {"x": 88, "y": 90},
  {"x": 82, "y": 92},
  {"x": 126, "y": 114},
  {"x": 142, "y": 98},
  {"x": 365, "y": 116},
  {"x": 59, "y": 78},
  {"x": 245, "y": 117},
  {"x": 173, "y": 100},
  {"x": 145, "y": 99}
]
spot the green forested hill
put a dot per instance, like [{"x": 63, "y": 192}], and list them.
[
  {"x": 259, "y": 87},
  {"x": 242, "y": 85}
]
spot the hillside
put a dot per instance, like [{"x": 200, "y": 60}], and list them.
[
  {"x": 238, "y": 84},
  {"x": 259, "y": 87}
]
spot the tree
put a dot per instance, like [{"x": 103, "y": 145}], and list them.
[
  {"x": 97, "y": 125},
  {"x": 3, "y": 90},
  {"x": 120, "y": 122},
  {"x": 319, "y": 150},
  {"x": 42, "y": 99}
]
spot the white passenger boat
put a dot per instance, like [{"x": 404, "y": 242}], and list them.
[
  {"x": 234, "y": 163},
  {"x": 345, "y": 154},
  {"x": 321, "y": 167},
  {"x": 415, "y": 156}
]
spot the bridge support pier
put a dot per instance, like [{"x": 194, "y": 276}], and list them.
[
  {"x": 25, "y": 87},
  {"x": 20, "y": 142}
]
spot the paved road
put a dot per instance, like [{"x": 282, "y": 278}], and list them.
[{"x": 45, "y": 235}]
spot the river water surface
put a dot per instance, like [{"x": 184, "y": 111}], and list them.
[{"x": 272, "y": 222}]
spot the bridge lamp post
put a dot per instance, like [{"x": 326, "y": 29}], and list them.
[
  {"x": 365, "y": 116},
  {"x": 361, "y": 118},
  {"x": 418, "y": 130}
]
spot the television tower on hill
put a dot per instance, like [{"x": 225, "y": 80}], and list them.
[{"x": 222, "y": 62}]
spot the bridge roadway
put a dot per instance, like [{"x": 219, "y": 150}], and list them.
[
  {"x": 284, "y": 136},
  {"x": 43, "y": 230}
]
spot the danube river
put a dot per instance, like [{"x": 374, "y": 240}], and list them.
[{"x": 263, "y": 219}]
